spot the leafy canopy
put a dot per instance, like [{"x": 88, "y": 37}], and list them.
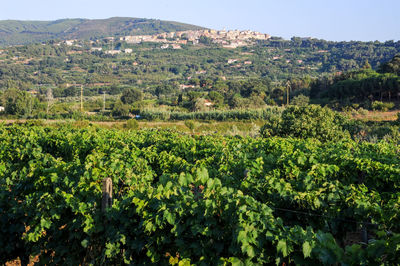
[{"x": 312, "y": 121}]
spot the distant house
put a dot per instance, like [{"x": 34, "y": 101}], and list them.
[
  {"x": 113, "y": 52},
  {"x": 2, "y": 109},
  {"x": 69, "y": 42},
  {"x": 248, "y": 62},
  {"x": 176, "y": 46},
  {"x": 128, "y": 51},
  {"x": 96, "y": 49},
  {"x": 208, "y": 103},
  {"x": 133, "y": 39},
  {"x": 182, "y": 41},
  {"x": 183, "y": 86}
]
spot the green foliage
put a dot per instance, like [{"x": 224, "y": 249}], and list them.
[
  {"x": 190, "y": 125},
  {"x": 381, "y": 106},
  {"x": 201, "y": 200},
  {"x": 120, "y": 109},
  {"x": 393, "y": 66},
  {"x": 300, "y": 100},
  {"x": 159, "y": 72},
  {"x": 357, "y": 86},
  {"x": 310, "y": 121},
  {"x": 131, "y": 95},
  {"x": 199, "y": 105},
  {"x": 164, "y": 89},
  {"x": 132, "y": 124},
  {"x": 216, "y": 98},
  {"x": 374, "y": 131},
  {"x": 228, "y": 115},
  {"x": 205, "y": 40},
  {"x": 17, "y": 102}
]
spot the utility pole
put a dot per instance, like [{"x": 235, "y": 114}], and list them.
[
  {"x": 288, "y": 87},
  {"x": 104, "y": 101},
  {"x": 49, "y": 96},
  {"x": 30, "y": 105},
  {"x": 81, "y": 98}
]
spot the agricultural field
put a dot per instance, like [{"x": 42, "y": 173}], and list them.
[
  {"x": 225, "y": 148},
  {"x": 184, "y": 199}
]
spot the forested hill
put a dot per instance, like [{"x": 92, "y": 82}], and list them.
[{"x": 14, "y": 32}]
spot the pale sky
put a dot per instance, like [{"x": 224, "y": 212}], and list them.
[{"x": 366, "y": 20}]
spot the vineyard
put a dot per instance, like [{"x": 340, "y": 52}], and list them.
[{"x": 204, "y": 200}]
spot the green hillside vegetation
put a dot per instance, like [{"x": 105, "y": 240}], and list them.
[
  {"x": 362, "y": 85},
  {"x": 174, "y": 82},
  {"x": 24, "y": 32},
  {"x": 393, "y": 66}
]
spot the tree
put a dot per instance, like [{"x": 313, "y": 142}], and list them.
[
  {"x": 312, "y": 121},
  {"x": 180, "y": 99},
  {"x": 199, "y": 105},
  {"x": 131, "y": 95},
  {"x": 17, "y": 102},
  {"x": 205, "y": 40},
  {"x": 216, "y": 97},
  {"x": 367, "y": 65},
  {"x": 49, "y": 97},
  {"x": 236, "y": 101},
  {"x": 193, "y": 95},
  {"x": 300, "y": 100},
  {"x": 164, "y": 89},
  {"x": 70, "y": 91},
  {"x": 120, "y": 109},
  {"x": 393, "y": 66}
]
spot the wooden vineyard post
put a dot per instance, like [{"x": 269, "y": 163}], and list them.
[
  {"x": 364, "y": 229},
  {"x": 107, "y": 194},
  {"x": 364, "y": 233}
]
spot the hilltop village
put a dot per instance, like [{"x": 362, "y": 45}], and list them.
[
  {"x": 175, "y": 40},
  {"x": 229, "y": 39}
]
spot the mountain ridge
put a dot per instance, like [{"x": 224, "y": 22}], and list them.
[{"x": 15, "y": 32}]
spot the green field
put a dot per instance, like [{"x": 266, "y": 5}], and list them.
[{"x": 195, "y": 199}]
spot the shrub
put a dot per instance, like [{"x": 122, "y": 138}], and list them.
[
  {"x": 120, "y": 109},
  {"x": 35, "y": 122},
  {"x": 312, "y": 121},
  {"x": 381, "y": 106},
  {"x": 190, "y": 125},
  {"x": 300, "y": 100},
  {"x": 131, "y": 95},
  {"x": 132, "y": 124},
  {"x": 362, "y": 111}
]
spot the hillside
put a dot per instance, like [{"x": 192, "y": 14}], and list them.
[{"x": 14, "y": 32}]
